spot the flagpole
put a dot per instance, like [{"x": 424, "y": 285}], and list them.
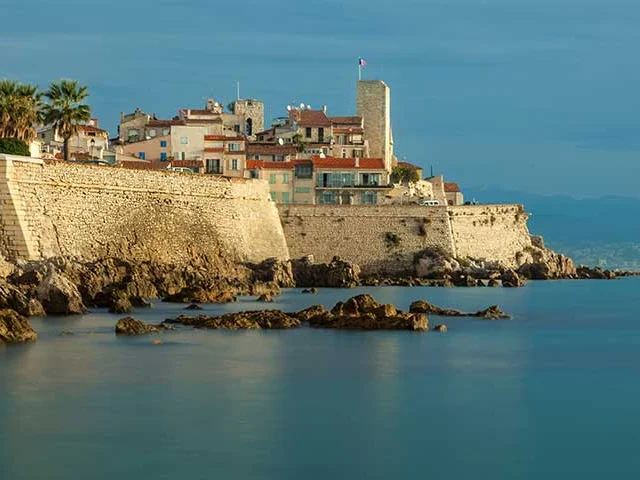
[{"x": 359, "y": 71}]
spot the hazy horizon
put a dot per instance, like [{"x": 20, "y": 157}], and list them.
[{"x": 536, "y": 96}]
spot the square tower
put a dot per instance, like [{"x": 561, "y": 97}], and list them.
[
  {"x": 253, "y": 112},
  {"x": 373, "y": 104}
]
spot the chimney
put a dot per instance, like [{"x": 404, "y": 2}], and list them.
[
  {"x": 324, "y": 109},
  {"x": 188, "y": 112},
  {"x": 357, "y": 162}
]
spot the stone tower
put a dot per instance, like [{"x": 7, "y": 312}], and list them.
[
  {"x": 253, "y": 113},
  {"x": 373, "y": 104}
]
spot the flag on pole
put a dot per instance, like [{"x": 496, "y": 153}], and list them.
[{"x": 362, "y": 62}]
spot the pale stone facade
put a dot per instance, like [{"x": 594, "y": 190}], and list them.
[
  {"x": 58, "y": 208},
  {"x": 385, "y": 239},
  {"x": 373, "y": 104}
]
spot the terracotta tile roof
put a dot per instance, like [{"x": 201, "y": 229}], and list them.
[
  {"x": 186, "y": 163},
  {"x": 310, "y": 118},
  {"x": 451, "y": 187},
  {"x": 214, "y": 150},
  {"x": 213, "y": 138},
  {"x": 356, "y": 121},
  {"x": 91, "y": 128},
  {"x": 409, "y": 165},
  {"x": 195, "y": 111},
  {"x": 164, "y": 123},
  {"x": 364, "y": 163},
  {"x": 270, "y": 131},
  {"x": 270, "y": 149}
]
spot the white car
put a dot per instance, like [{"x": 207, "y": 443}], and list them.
[{"x": 430, "y": 203}]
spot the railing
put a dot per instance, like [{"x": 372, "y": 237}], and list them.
[{"x": 215, "y": 170}]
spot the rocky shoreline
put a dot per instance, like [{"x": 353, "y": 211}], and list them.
[{"x": 67, "y": 286}]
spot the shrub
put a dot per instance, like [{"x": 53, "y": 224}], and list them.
[
  {"x": 391, "y": 239},
  {"x": 13, "y": 146}
]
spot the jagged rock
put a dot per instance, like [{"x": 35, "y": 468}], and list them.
[
  {"x": 363, "y": 312},
  {"x": 596, "y": 273},
  {"x": 131, "y": 326},
  {"x": 493, "y": 282},
  {"x": 14, "y": 328},
  {"x": 157, "y": 341},
  {"x": 265, "y": 297},
  {"x": 11, "y": 297},
  {"x": 264, "y": 288},
  {"x": 463, "y": 280},
  {"x": 435, "y": 264},
  {"x": 140, "y": 302},
  {"x": 307, "y": 313},
  {"x": 193, "y": 306},
  {"x": 274, "y": 271},
  {"x": 440, "y": 328},
  {"x": 201, "y": 295},
  {"x": 511, "y": 279},
  {"x": 538, "y": 262},
  {"x": 122, "y": 304},
  {"x": 336, "y": 274},
  {"x": 58, "y": 295},
  {"x": 313, "y": 291},
  {"x": 253, "y": 320},
  {"x": 422, "y": 306}
]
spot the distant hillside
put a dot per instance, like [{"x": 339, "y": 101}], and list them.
[{"x": 601, "y": 231}]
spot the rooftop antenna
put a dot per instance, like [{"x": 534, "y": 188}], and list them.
[
  {"x": 238, "y": 85},
  {"x": 431, "y": 170}
]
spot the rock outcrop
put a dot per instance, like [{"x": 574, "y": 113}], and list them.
[
  {"x": 363, "y": 312},
  {"x": 58, "y": 295},
  {"x": 130, "y": 326},
  {"x": 275, "y": 271},
  {"x": 11, "y": 297},
  {"x": 422, "y": 306},
  {"x": 212, "y": 294},
  {"x": 336, "y": 274},
  {"x": 511, "y": 279},
  {"x": 253, "y": 320},
  {"x": 540, "y": 263},
  {"x": 14, "y": 328},
  {"x": 595, "y": 273}
]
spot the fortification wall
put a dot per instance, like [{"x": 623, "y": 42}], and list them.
[
  {"x": 380, "y": 239},
  {"x": 384, "y": 239},
  {"x": 94, "y": 212},
  {"x": 496, "y": 232}
]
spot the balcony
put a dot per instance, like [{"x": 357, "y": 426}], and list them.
[{"x": 215, "y": 170}]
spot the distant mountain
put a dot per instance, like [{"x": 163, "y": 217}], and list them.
[{"x": 593, "y": 231}]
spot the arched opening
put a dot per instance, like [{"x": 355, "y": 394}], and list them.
[{"x": 249, "y": 127}]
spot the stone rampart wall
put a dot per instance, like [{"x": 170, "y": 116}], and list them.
[
  {"x": 385, "y": 239},
  {"x": 94, "y": 212}
]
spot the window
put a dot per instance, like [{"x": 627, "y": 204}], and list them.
[
  {"x": 133, "y": 135},
  {"x": 163, "y": 144},
  {"x": 369, "y": 198},
  {"x": 370, "y": 178},
  {"x": 179, "y": 155},
  {"x": 285, "y": 178},
  {"x": 336, "y": 180},
  {"x": 357, "y": 154},
  {"x": 273, "y": 196},
  {"x": 303, "y": 189},
  {"x": 327, "y": 198},
  {"x": 344, "y": 153},
  {"x": 234, "y": 164},
  {"x": 141, "y": 155},
  {"x": 304, "y": 171},
  {"x": 307, "y": 132},
  {"x": 184, "y": 140},
  {"x": 91, "y": 134},
  {"x": 234, "y": 147},
  {"x": 321, "y": 134},
  {"x": 163, "y": 156},
  {"x": 166, "y": 131},
  {"x": 253, "y": 174},
  {"x": 236, "y": 128},
  {"x": 256, "y": 157},
  {"x": 249, "y": 127},
  {"x": 272, "y": 178},
  {"x": 341, "y": 140},
  {"x": 152, "y": 132},
  {"x": 285, "y": 197},
  {"x": 213, "y": 165}
]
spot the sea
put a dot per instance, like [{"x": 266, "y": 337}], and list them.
[{"x": 553, "y": 393}]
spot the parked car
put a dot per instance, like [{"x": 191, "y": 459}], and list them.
[
  {"x": 179, "y": 169},
  {"x": 430, "y": 203}
]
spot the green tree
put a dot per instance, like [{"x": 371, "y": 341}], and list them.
[
  {"x": 297, "y": 141},
  {"x": 14, "y": 146},
  {"x": 65, "y": 110},
  {"x": 404, "y": 175},
  {"x": 20, "y": 109}
]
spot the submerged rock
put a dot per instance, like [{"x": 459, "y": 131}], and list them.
[
  {"x": 193, "y": 306},
  {"x": 201, "y": 295},
  {"x": 511, "y": 279},
  {"x": 252, "y": 320},
  {"x": 14, "y": 328},
  {"x": 265, "y": 297},
  {"x": 363, "y": 312},
  {"x": 440, "y": 328},
  {"x": 313, "y": 291},
  {"x": 131, "y": 326},
  {"x": 422, "y": 306}
]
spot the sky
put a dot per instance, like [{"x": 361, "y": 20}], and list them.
[{"x": 539, "y": 96}]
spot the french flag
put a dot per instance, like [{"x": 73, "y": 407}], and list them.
[{"x": 362, "y": 62}]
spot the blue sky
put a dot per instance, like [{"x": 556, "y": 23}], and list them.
[{"x": 533, "y": 95}]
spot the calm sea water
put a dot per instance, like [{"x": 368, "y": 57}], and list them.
[{"x": 554, "y": 393}]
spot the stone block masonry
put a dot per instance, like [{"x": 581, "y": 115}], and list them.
[
  {"x": 52, "y": 209},
  {"x": 385, "y": 239}
]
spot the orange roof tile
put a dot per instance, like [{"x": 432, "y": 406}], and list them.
[
  {"x": 310, "y": 118},
  {"x": 451, "y": 187},
  {"x": 409, "y": 165},
  {"x": 270, "y": 149},
  {"x": 258, "y": 164},
  {"x": 357, "y": 121},
  {"x": 164, "y": 123}
]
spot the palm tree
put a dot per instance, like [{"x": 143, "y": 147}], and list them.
[
  {"x": 20, "y": 109},
  {"x": 65, "y": 110}
]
